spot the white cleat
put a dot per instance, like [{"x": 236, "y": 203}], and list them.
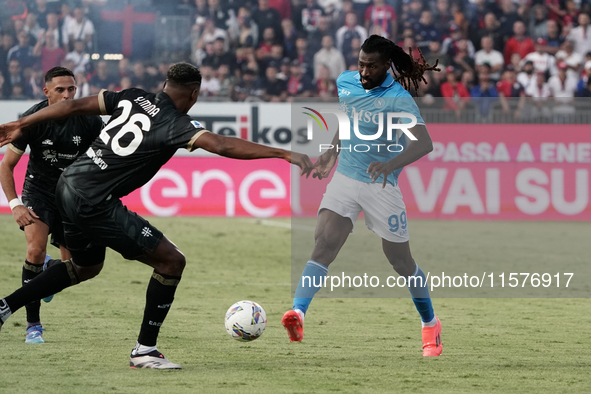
[{"x": 152, "y": 360}]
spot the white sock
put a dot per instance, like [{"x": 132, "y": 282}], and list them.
[
  {"x": 431, "y": 323},
  {"x": 301, "y": 314},
  {"x": 141, "y": 349}
]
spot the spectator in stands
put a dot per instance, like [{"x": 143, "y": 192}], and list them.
[
  {"x": 140, "y": 78},
  {"x": 218, "y": 14},
  {"x": 36, "y": 83},
  {"x": 584, "y": 80},
  {"x": 124, "y": 83},
  {"x": 80, "y": 28},
  {"x": 65, "y": 19},
  {"x": 323, "y": 28},
  {"x": 450, "y": 44},
  {"x": 14, "y": 77},
  {"x": 6, "y": 44},
  {"x": 538, "y": 23},
  {"x": 427, "y": 32},
  {"x": 275, "y": 58},
  {"x": 41, "y": 9},
  {"x": 32, "y": 27},
  {"x": 515, "y": 62},
  {"x": 435, "y": 53},
  {"x": 124, "y": 68},
  {"x": 23, "y": 52},
  {"x": 539, "y": 89},
  {"x": 264, "y": 49},
  {"x": 541, "y": 60},
  {"x": 83, "y": 86},
  {"x": 14, "y": 9},
  {"x": 383, "y": 15},
  {"x": 329, "y": 56},
  {"x": 58, "y": 36},
  {"x": 412, "y": 17},
  {"x": 510, "y": 93},
  {"x": 468, "y": 79},
  {"x": 571, "y": 15},
  {"x": 507, "y": 19},
  {"x": 573, "y": 59},
  {"x": 476, "y": 12},
  {"x": 305, "y": 57},
  {"x": 581, "y": 35},
  {"x": 79, "y": 56},
  {"x": 308, "y": 15},
  {"x": 519, "y": 43},
  {"x": 586, "y": 92},
  {"x": 484, "y": 94},
  {"x": 339, "y": 15},
  {"x": 274, "y": 89},
  {"x": 429, "y": 89},
  {"x": 347, "y": 33},
  {"x": 226, "y": 79},
  {"x": 462, "y": 61},
  {"x": 200, "y": 12},
  {"x": 491, "y": 29},
  {"x": 283, "y": 7},
  {"x": 443, "y": 16},
  {"x": 290, "y": 35},
  {"x": 408, "y": 41},
  {"x": 527, "y": 76},
  {"x": 51, "y": 55},
  {"x": 352, "y": 56},
  {"x": 210, "y": 85},
  {"x": 488, "y": 55},
  {"x": 553, "y": 37},
  {"x": 555, "y": 12},
  {"x": 248, "y": 87},
  {"x": 299, "y": 84},
  {"x": 562, "y": 85},
  {"x": 102, "y": 79},
  {"x": 265, "y": 17},
  {"x": 220, "y": 56},
  {"x": 325, "y": 85},
  {"x": 454, "y": 92}
]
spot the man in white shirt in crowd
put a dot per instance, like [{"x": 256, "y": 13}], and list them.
[
  {"x": 542, "y": 60},
  {"x": 573, "y": 59},
  {"x": 490, "y": 56},
  {"x": 80, "y": 28},
  {"x": 581, "y": 35}
]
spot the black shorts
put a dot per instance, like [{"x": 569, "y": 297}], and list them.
[
  {"x": 89, "y": 229},
  {"x": 45, "y": 207}
]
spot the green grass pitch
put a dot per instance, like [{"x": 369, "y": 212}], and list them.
[{"x": 366, "y": 345}]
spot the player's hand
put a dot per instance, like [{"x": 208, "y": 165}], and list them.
[
  {"x": 302, "y": 161},
  {"x": 24, "y": 216},
  {"x": 378, "y": 168},
  {"x": 9, "y": 132},
  {"x": 324, "y": 164}
]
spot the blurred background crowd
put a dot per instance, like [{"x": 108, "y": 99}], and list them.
[{"x": 275, "y": 50}]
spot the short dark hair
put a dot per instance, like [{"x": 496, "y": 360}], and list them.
[
  {"x": 58, "y": 72},
  {"x": 184, "y": 74}
]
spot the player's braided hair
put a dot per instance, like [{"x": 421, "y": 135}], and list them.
[
  {"x": 406, "y": 69},
  {"x": 184, "y": 74},
  {"x": 58, "y": 72}
]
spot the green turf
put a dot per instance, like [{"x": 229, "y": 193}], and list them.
[{"x": 351, "y": 345}]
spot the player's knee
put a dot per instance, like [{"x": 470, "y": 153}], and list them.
[
  {"x": 86, "y": 273},
  {"x": 174, "y": 265},
  {"x": 35, "y": 254}
]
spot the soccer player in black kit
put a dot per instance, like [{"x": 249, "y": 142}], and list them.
[
  {"x": 144, "y": 132},
  {"x": 54, "y": 146}
]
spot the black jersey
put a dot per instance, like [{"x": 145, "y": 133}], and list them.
[
  {"x": 144, "y": 132},
  {"x": 54, "y": 146}
]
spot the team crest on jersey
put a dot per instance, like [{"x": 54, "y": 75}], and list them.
[
  {"x": 345, "y": 92},
  {"x": 379, "y": 103},
  {"x": 76, "y": 139},
  {"x": 196, "y": 124},
  {"x": 50, "y": 155}
]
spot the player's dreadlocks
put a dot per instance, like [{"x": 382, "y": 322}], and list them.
[
  {"x": 406, "y": 69},
  {"x": 184, "y": 74}
]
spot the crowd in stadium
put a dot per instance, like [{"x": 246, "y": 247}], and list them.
[{"x": 275, "y": 50}]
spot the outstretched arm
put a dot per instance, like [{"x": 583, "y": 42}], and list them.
[
  {"x": 237, "y": 148},
  {"x": 413, "y": 152},
  {"x": 84, "y": 106},
  {"x": 326, "y": 161}
]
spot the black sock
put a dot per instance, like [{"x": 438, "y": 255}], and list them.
[
  {"x": 30, "y": 271},
  {"x": 52, "y": 281},
  {"x": 159, "y": 297}
]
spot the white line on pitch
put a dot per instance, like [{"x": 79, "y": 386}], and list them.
[{"x": 273, "y": 223}]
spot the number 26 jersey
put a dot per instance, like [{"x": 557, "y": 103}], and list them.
[{"x": 144, "y": 132}]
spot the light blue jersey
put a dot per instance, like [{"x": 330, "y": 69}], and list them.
[{"x": 390, "y": 96}]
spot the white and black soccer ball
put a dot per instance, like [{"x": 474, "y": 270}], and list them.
[{"x": 246, "y": 321}]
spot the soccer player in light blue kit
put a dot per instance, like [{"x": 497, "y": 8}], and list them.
[{"x": 368, "y": 181}]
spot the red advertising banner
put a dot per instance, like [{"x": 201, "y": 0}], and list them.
[
  {"x": 498, "y": 172},
  {"x": 199, "y": 186}
]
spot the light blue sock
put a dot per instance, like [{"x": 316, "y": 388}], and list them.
[
  {"x": 311, "y": 281},
  {"x": 420, "y": 295}
]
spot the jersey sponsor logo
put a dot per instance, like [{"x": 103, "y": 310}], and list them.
[
  {"x": 147, "y": 106},
  {"x": 47, "y": 142},
  {"x": 50, "y": 155},
  {"x": 196, "y": 124}
]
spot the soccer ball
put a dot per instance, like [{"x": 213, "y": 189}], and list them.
[{"x": 246, "y": 321}]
